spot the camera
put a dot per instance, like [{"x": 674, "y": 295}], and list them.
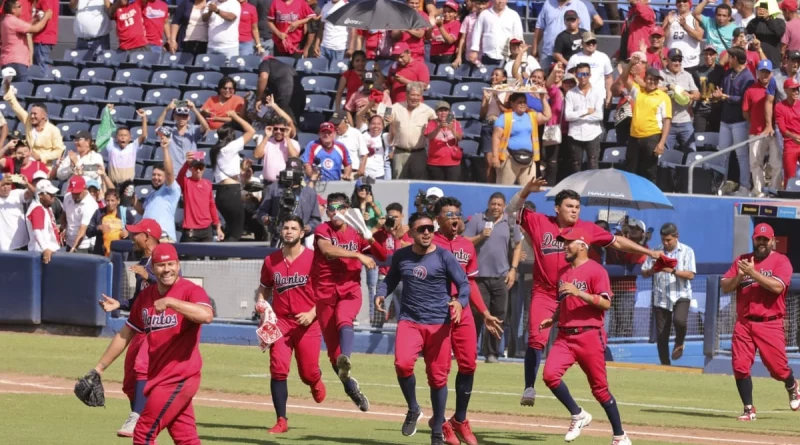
[
  {"x": 390, "y": 222},
  {"x": 289, "y": 180}
]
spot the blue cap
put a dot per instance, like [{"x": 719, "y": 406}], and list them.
[
  {"x": 765, "y": 64},
  {"x": 93, "y": 183}
]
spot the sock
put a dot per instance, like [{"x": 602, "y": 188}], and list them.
[
  {"x": 562, "y": 394},
  {"x": 745, "y": 387},
  {"x": 408, "y": 385},
  {"x": 789, "y": 382},
  {"x": 463, "y": 393},
  {"x": 346, "y": 338},
  {"x": 280, "y": 394},
  {"x": 439, "y": 402},
  {"x": 612, "y": 411},
  {"x": 533, "y": 357},
  {"x": 139, "y": 398}
]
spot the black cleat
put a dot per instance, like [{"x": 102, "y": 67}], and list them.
[
  {"x": 358, "y": 397},
  {"x": 410, "y": 424}
]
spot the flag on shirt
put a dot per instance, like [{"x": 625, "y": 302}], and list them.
[{"x": 106, "y": 130}]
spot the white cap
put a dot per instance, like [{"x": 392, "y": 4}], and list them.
[
  {"x": 45, "y": 186},
  {"x": 39, "y": 175},
  {"x": 633, "y": 222},
  {"x": 435, "y": 191},
  {"x": 8, "y": 72}
]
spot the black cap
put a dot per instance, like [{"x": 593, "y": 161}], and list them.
[
  {"x": 83, "y": 134},
  {"x": 739, "y": 31},
  {"x": 793, "y": 54},
  {"x": 570, "y": 15},
  {"x": 294, "y": 164},
  {"x": 336, "y": 119},
  {"x": 654, "y": 73},
  {"x": 674, "y": 52}
]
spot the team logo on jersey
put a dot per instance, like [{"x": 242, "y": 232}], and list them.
[
  {"x": 551, "y": 244},
  {"x": 157, "y": 322},
  {"x": 282, "y": 283},
  {"x": 462, "y": 256},
  {"x": 327, "y": 164},
  {"x": 420, "y": 272},
  {"x": 351, "y": 246},
  {"x": 390, "y": 243},
  {"x": 749, "y": 281},
  {"x": 581, "y": 285}
]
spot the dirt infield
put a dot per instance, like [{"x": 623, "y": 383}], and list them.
[{"x": 24, "y": 384}]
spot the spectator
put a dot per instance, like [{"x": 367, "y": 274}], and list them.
[
  {"x": 94, "y": 187},
  {"x": 185, "y": 136},
  {"x": 584, "y": 112},
  {"x": 684, "y": 33},
  {"x": 376, "y": 43},
  {"x": 312, "y": 28},
  {"x": 226, "y": 162},
  {"x": 354, "y": 78},
  {"x": 493, "y": 104},
  {"x": 156, "y": 26},
  {"x": 787, "y": 116},
  {"x": 758, "y": 104},
  {"x": 407, "y": 69},
  {"x": 641, "y": 21},
  {"x": 707, "y": 77},
  {"x": 680, "y": 86},
  {"x": 466, "y": 32},
  {"x": 363, "y": 199},
  {"x": 14, "y": 50},
  {"x": 520, "y": 65},
  {"x": 515, "y": 141},
  {"x": 733, "y": 127},
  {"x": 444, "y": 155},
  {"x": 307, "y": 207},
  {"x": 20, "y": 161},
  {"x": 371, "y": 100},
  {"x": 90, "y": 25},
  {"x": 753, "y": 51},
  {"x": 216, "y": 108},
  {"x": 188, "y": 31},
  {"x": 327, "y": 157},
  {"x": 598, "y": 253},
  {"x": 496, "y": 239},
  {"x": 249, "y": 37},
  {"x": 130, "y": 26},
  {"x": 558, "y": 84},
  {"x": 281, "y": 81},
  {"x": 108, "y": 223},
  {"x": 493, "y": 29},
  {"x": 4, "y": 131},
  {"x": 264, "y": 32},
  {"x": 568, "y": 41},
  {"x": 744, "y": 12},
  {"x": 199, "y": 209},
  {"x": 287, "y": 20},
  {"x": 331, "y": 40},
  {"x": 379, "y": 165},
  {"x": 123, "y": 150},
  {"x": 44, "y": 138},
  {"x": 650, "y": 123},
  {"x": 46, "y": 39},
  {"x": 406, "y": 133},
  {"x": 550, "y": 24},
  {"x": 789, "y": 69},
  {"x": 656, "y": 53},
  {"x": 223, "y": 26},
  {"x": 413, "y": 38},
  {"x": 444, "y": 35},
  {"x": 162, "y": 202},
  {"x": 719, "y": 30},
  {"x": 600, "y": 65},
  {"x": 276, "y": 148},
  {"x": 624, "y": 112},
  {"x": 354, "y": 142},
  {"x": 43, "y": 233},
  {"x": 13, "y": 232},
  {"x": 672, "y": 292},
  {"x": 624, "y": 301},
  {"x": 769, "y": 31},
  {"x": 79, "y": 208},
  {"x": 84, "y": 161},
  {"x": 390, "y": 236},
  {"x": 791, "y": 38}
]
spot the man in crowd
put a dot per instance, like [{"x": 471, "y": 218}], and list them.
[
  {"x": 790, "y": 41},
  {"x": 281, "y": 81},
  {"x": 185, "y": 136},
  {"x": 393, "y": 235},
  {"x": 14, "y": 50},
  {"x": 44, "y": 138},
  {"x": 624, "y": 303},
  {"x": 161, "y": 204},
  {"x": 407, "y": 70},
  {"x": 599, "y": 64},
  {"x": 568, "y": 42},
  {"x": 287, "y": 21},
  {"x": 264, "y": 31},
  {"x": 330, "y": 158},
  {"x": 787, "y": 116},
  {"x": 91, "y": 25},
  {"x": 43, "y": 233},
  {"x": 583, "y": 109},
  {"x": 79, "y": 208},
  {"x": 331, "y": 40},
  {"x": 675, "y": 78},
  {"x": 745, "y": 12},
  {"x": 223, "y": 27},
  {"x": 684, "y": 33},
  {"x": 20, "y": 162},
  {"x": 123, "y": 150},
  {"x": 406, "y": 134},
  {"x": 656, "y": 53},
  {"x": 550, "y": 24},
  {"x": 493, "y": 29},
  {"x": 354, "y": 141},
  {"x": 769, "y": 31},
  {"x": 467, "y": 31},
  {"x": 758, "y": 104},
  {"x": 13, "y": 231},
  {"x": 47, "y": 38},
  {"x": 200, "y": 217},
  {"x": 719, "y": 29},
  {"x": 156, "y": 18},
  {"x": 734, "y": 128},
  {"x": 414, "y": 38},
  {"x": 276, "y": 147},
  {"x": 130, "y": 26},
  {"x": 305, "y": 198},
  {"x": 707, "y": 77}
]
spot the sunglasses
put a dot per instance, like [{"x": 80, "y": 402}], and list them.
[
  {"x": 425, "y": 228},
  {"x": 452, "y": 214},
  {"x": 278, "y": 129},
  {"x": 591, "y": 42},
  {"x": 582, "y": 74},
  {"x": 336, "y": 207},
  {"x": 676, "y": 59},
  {"x": 572, "y": 19}
]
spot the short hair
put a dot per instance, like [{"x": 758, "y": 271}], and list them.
[
  {"x": 583, "y": 65},
  {"x": 497, "y": 195},
  {"x": 276, "y": 120},
  {"x": 159, "y": 166},
  {"x": 669, "y": 229},
  {"x": 723, "y": 6},
  {"x": 529, "y": 205},
  {"x": 602, "y": 223},
  {"x": 447, "y": 201},
  {"x": 294, "y": 218},
  {"x": 567, "y": 194},
  {"x": 338, "y": 197},
  {"x": 416, "y": 216},
  {"x": 39, "y": 104},
  {"x": 515, "y": 96},
  {"x": 396, "y": 206},
  {"x": 738, "y": 54},
  {"x": 419, "y": 86},
  {"x": 539, "y": 70},
  {"x": 224, "y": 81},
  {"x": 121, "y": 128},
  {"x": 111, "y": 192}
]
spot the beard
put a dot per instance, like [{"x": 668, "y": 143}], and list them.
[
  {"x": 570, "y": 257},
  {"x": 291, "y": 243},
  {"x": 760, "y": 253}
]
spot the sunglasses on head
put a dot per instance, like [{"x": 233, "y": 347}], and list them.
[
  {"x": 336, "y": 207},
  {"x": 582, "y": 74},
  {"x": 425, "y": 228}
]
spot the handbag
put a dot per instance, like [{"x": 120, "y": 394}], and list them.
[{"x": 552, "y": 133}]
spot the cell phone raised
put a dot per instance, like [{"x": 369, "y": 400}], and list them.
[
  {"x": 387, "y": 113},
  {"x": 450, "y": 117},
  {"x": 198, "y": 155}
]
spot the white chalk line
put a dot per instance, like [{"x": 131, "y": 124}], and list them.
[{"x": 387, "y": 414}]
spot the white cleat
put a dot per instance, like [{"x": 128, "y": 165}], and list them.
[
  {"x": 794, "y": 397},
  {"x": 126, "y": 430},
  {"x": 579, "y": 421},
  {"x": 621, "y": 440},
  {"x": 528, "y": 397}
]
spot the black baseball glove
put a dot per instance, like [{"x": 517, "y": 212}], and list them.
[{"x": 90, "y": 390}]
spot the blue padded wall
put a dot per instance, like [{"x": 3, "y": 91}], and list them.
[
  {"x": 20, "y": 288},
  {"x": 71, "y": 288}
]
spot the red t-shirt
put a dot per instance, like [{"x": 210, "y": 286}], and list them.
[
  {"x": 49, "y": 35},
  {"x": 467, "y": 257},
  {"x": 415, "y": 45},
  {"x": 130, "y": 26},
  {"x": 548, "y": 252},
  {"x": 292, "y": 292},
  {"x": 415, "y": 71},
  {"x": 753, "y": 102},
  {"x": 389, "y": 242},
  {"x": 438, "y": 46},
  {"x": 654, "y": 59},
  {"x": 340, "y": 272},
  {"x": 172, "y": 339},
  {"x": 283, "y": 14},
  {"x": 443, "y": 150},
  {"x": 26, "y": 10},
  {"x": 199, "y": 209},
  {"x": 352, "y": 83},
  {"x": 155, "y": 15},
  {"x": 246, "y": 20},
  {"x": 373, "y": 41},
  {"x": 27, "y": 172},
  {"x": 591, "y": 278},
  {"x": 751, "y": 298}
]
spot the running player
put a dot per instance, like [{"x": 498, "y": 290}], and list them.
[
  {"x": 584, "y": 294},
  {"x": 426, "y": 313},
  {"x": 548, "y": 254},
  {"x": 285, "y": 278},
  {"x": 760, "y": 280}
]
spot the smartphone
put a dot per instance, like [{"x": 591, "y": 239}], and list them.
[
  {"x": 763, "y": 5},
  {"x": 17, "y": 179},
  {"x": 388, "y": 113},
  {"x": 90, "y": 168},
  {"x": 164, "y": 131},
  {"x": 181, "y": 103},
  {"x": 450, "y": 117},
  {"x": 198, "y": 155},
  {"x": 749, "y": 38}
]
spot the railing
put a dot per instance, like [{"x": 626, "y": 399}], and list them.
[{"x": 722, "y": 152}]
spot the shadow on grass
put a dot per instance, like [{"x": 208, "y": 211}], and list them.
[
  {"x": 502, "y": 437},
  {"x": 688, "y": 413},
  {"x": 264, "y": 427},
  {"x": 344, "y": 440}
]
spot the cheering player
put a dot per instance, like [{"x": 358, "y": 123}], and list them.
[
  {"x": 426, "y": 313},
  {"x": 584, "y": 294},
  {"x": 285, "y": 276}
]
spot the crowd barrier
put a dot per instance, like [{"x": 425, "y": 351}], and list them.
[{"x": 20, "y": 288}]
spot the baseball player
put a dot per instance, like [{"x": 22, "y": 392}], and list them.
[
  {"x": 426, "y": 313},
  {"x": 170, "y": 314},
  {"x": 145, "y": 237},
  {"x": 338, "y": 258},
  {"x": 285, "y": 276},
  {"x": 548, "y": 254},
  {"x": 584, "y": 294},
  {"x": 760, "y": 280}
]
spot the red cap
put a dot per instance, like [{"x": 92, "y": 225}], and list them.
[
  {"x": 790, "y": 83},
  {"x": 148, "y": 226},
  {"x": 76, "y": 184},
  {"x": 327, "y": 126},
  {"x": 574, "y": 234},
  {"x": 163, "y": 253},
  {"x": 789, "y": 5},
  {"x": 399, "y": 48},
  {"x": 454, "y": 6},
  {"x": 764, "y": 230},
  {"x": 515, "y": 40},
  {"x": 657, "y": 31}
]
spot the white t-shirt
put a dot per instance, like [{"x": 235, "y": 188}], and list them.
[
  {"x": 78, "y": 214},
  {"x": 91, "y": 20},
  {"x": 333, "y": 37},
  {"x": 740, "y": 21},
  {"x": 13, "y": 232},
  {"x": 49, "y": 236},
  {"x": 532, "y": 66},
  {"x": 375, "y": 162},
  {"x": 356, "y": 146},
  {"x": 122, "y": 158},
  {"x": 600, "y": 66},
  {"x": 677, "y": 37},
  {"x": 229, "y": 163},
  {"x": 222, "y": 33}
]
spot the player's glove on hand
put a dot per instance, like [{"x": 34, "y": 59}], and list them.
[{"x": 90, "y": 390}]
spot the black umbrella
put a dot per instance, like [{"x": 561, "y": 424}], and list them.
[{"x": 378, "y": 14}]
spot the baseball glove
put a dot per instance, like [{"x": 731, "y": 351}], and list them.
[{"x": 90, "y": 390}]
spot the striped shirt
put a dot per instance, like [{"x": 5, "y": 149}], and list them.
[{"x": 667, "y": 288}]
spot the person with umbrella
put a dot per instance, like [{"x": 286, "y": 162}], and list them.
[{"x": 414, "y": 38}]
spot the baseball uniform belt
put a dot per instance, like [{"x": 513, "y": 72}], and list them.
[
  {"x": 575, "y": 331},
  {"x": 763, "y": 319}
]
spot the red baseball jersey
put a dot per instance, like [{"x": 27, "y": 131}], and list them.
[
  {"x": 389, "y": 242},
  {"x": 172, "y": 339},
  {"x": 156, "y": 14},
  {"x": 548, "y": 251},
  {"x": 591, "y": 278},
  {"x": 130, "y": 26},
  {"x": 338, "y": 270},
  {"x": 283, "y": 14},
  {"x": 751, "y": 298},
  {"x": 464, "y": 251},
  {"x": 292, "y": 292}
]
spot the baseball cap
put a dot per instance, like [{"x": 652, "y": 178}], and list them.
[
  {"x": 148, "y": 226},
  {"x": 327, "y": 126},
  {"x": 764, "y": 230},
  {"x": 93, "y": 183},
  {"x": 570, "y": 76},
  {"x": 574, "y": 234},
  {"x": 790, "y": 84},
  {"x": 39, "y": 175},
  {"x": 765, "y": 64},
  {"x": 83, "y": 134},
  {"x": 442, "y": 104},
  {"x": 336, "y": 119},
  {"x": 657, "y": 31},
  {"x": 376, "y": 95},
  {"x": 514, "y": 40},
  {"x": 588, "y": 36},
  {"x": 789, "y": 5},
  {"x": 793, "y": 54},
  {"x": 45, "y": 186},
  {"x": 434, "y": 191},
  {"x": 739, "y": 31},
  {"x": 76, "y": 184},
  {"x": 710, "y": 47},
  {"x": 653, "y": 72},
  {"x": 674, "y": 52},
  {"x": 164, "y": 252},
  {"x": 452, "y": 5},
  {"x": 633, "y": 222},
  {"x": 571, "y": 14},
  {"x": 399, "y": 48}
]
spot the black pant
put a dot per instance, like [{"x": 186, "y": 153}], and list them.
[
  {"x": 198, "y": 235},
  {"x": 442, "y": 173},
  {"x": 664, "y": 321},
  {"x": 229, "y": 204},
  {"x": 550, "y": 163},
  {"x": 448, "y": 58},
  {"x": 640, "y": 157},
  {"x": 194, "y": 47},
  {"x": 495, "y": 296},
  {"x": 488, "y": 61},
  {"x": 707, "y": 122},
  {"x": 623, "y": 132},
  {"x": 289, "y": 95},
  {"x": 592, "y": 149}
]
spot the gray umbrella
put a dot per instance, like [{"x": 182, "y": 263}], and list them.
[
  {"x": 378, "y": 14},
  {"x": 613, "y": 188}
]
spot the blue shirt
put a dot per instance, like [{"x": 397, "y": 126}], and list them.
[
  {"x": 734, "y": 85},
  {"x": 427, "y": 281},
  {"x": 180, "y": 144},
  {"x": 330, "y": 162},
  {"x": 551, "y": 21},
  {"x": 521, "y": 131},
  {"x": 713, "y": 34},
  {"x": 534, "y": 103},
  {"x": 161, "y": 206}
]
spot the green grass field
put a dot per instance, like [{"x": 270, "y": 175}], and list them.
[{"x": 646, "y": 398}]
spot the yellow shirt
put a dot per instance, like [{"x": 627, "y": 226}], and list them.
[
  {"x": 115, "y": 230},
  {"x": 649, "y": 112}
]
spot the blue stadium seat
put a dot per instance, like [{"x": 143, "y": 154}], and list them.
[
  {"x": 467, "y": 110},
  {"x": 152, "y": 113},
  {"x": 337, "y": 66},
  {"x": 472, "y": 128},
  {"x": 174, "y": 61},
  {"x": 611, "y": 136},
  {"x": 706, "y": 141},
  {"x": 210, "y": 62},
  {"x": 245, "y": 81},
  {"x": 151, "y": 133},
  {"x": 125, "y": 95},
  {"x": 158, "y": 154},
  {"x": 310, "y": 122},
  {"x": 68, "y": 129},
  {"x": 121, "y": 113},
  {"x": 319, "y": 84},
  {"x": 53, "y": 74},
  {"x": 145, "y": 153},
  {"x": 88, "y": 93},
  {"x": 469, "y": 148},
  {"x": 304, "y": 138},
  {"x": 431, "y": 67},
  {"x": 246, "y": 63},
  {"x": 446, "y": 71},
  {"x": 613, "y": 156},
  {"x": 147, "y": 172},
  {"x": 312, "y": 65},
  {"x": 142, "y": 60},
  {"x": 130, "y": 76},
  {"x": 24, "y": 89},
  {"x": 53, "y": 108},
  {"x": 143, "y": 191},
  {"x": 94, "y": 76},
  {"x": 205, "y": 79},
  {"x": 431, "y": 102},
  {"x": 472, "y": 90},
  {"x": 666, "y": 176},
  {"x": 199, "y": 97},
  {"x": 793, "y": 185},
  {"x": 74, "y": 57},
  {"x": 169, "y": 78},
  {"x": 318, "y": 102},
  {"x": 161, "y": 96},
  {"x": 108, "y": 59},
  {"x": 439, "y": 89},
  {"x": 79, "y": 112},
  {"x": 482, "y": 73}
]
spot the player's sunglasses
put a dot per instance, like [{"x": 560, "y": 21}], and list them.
[
  {"x": 425, "y": 228},
  {"x": 336, "y": 207},
  {"x": 452, "y": 214}
]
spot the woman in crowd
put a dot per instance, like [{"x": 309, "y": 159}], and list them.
[
  {"x": 379, "y": 161},
  {"x": 444, "y": 34},
  {"x": 108, "y": 223},
  {"x": 444, "y": 155},
  {"x": 188, "y": 31},
  {"x": 216, "y": 108},
  {"x": 352, "y": 79},
  {"x": 556, "y": 92},
  {"x": 624, "y": 114},
  {"x": 226, "y": 163},
  {"x": 84, "y": 161},
  {"x": 492, "y": 106}
]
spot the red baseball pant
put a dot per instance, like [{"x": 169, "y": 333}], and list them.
[
  {"x": 305, "y": 341},
  {"x": 464, "y": 340},
  {"x": 588, "y": 349},
  {"x": 169, "y": 407},
  {"x": 137, "y": 360},
  {"x": 433, "y": 341},
  {"x": 336, "y": 308},
  {"x": 768, "y": 338},
  {"x": 790, "y": 159},
  {"x": 543, "y": 306}
]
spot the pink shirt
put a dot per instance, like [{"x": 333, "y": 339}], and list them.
[
  {"x": 467, "y": 25},
  {"x": 792, "y": 35},
  {"x": 275, "y": 156},
  {"x": 14, "y": 48}
]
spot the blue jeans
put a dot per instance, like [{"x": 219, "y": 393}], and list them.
[
  {"x": 228, "y": 52},
  {"x": 269, "y": 46},
  {"x": 330, "y": 54},
  {"x": 96, "y": 45},
  {"x": 41, "y": 55},
  {"x": 22, "y": 72},
  {"x": 372, "y": 285},
  {"x": 156, "y": 49},
  {"x": 681, "y": 137},
  {"x": 387, "y": 169},
  {"x": 732, "y": 134},
  {"x": 247, "y": 48}
]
